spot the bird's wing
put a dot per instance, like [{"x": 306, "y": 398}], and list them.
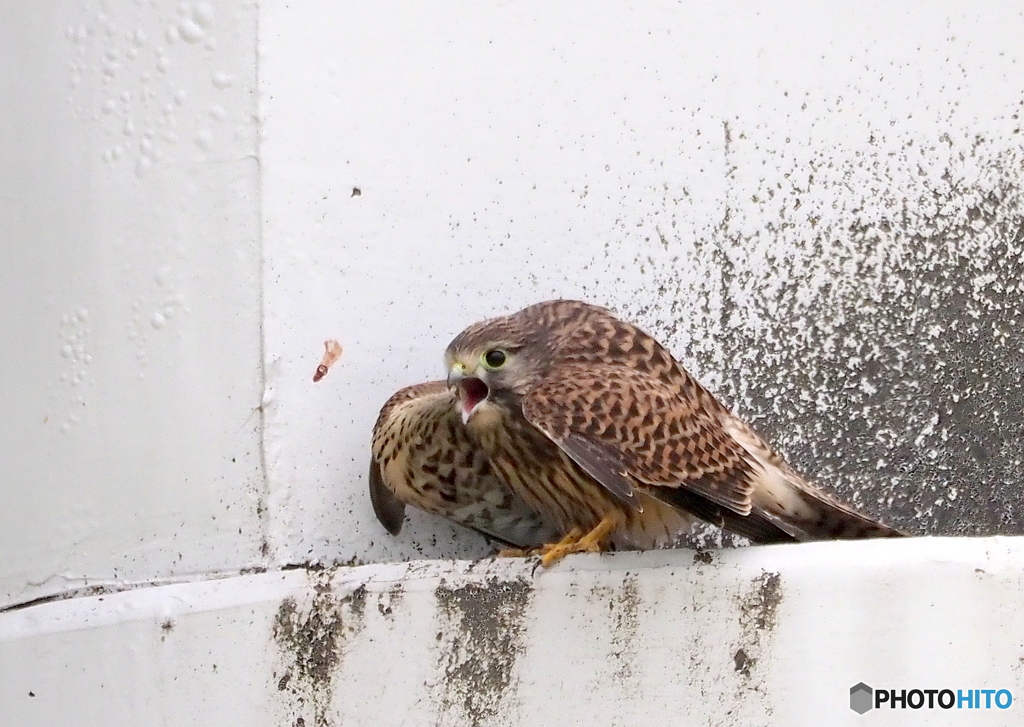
[
  {"x": 423, "y": 456},
  {"x": 390, "y": 511},
  {"x": 625, "y": 426}
]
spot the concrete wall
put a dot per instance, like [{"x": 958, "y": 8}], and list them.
[
  {"x": 130, "y": 284},
  {"x": 746, "y": 637},
  {"x": 817, "y": 207}
]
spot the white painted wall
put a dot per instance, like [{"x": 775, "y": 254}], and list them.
[
  {"x": 623, "y": 639},
  {"x": 508, "y": 153},
  {"x": 130, "y": 284},
  {"x": 179, "y": 233}
]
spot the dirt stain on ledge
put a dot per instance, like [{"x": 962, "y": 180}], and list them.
[
  {"x": 625, "y": 608},
  {"x": 311, "y": 642},
  {"x": 758, "y": 616},
  {"x": 480, "y": 640}
]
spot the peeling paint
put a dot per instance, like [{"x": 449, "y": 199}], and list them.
[{"x": 481, "y": 638}]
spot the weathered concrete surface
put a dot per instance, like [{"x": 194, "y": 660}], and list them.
[
  {"x": 817, "y": 207},
  {"x": 744, "y": 637},
  {"x": 867, "y": 311}
]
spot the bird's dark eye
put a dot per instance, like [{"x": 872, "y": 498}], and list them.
[{"x": 495, "y": 358}]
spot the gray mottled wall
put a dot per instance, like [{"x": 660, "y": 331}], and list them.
[{"x": 863, "y": 304}]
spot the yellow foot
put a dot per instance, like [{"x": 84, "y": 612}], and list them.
[
  {"x": 559, "y": 551},
  {"x": 514, "y": 553},
  {"x": 573, "y": 543},
  {"x": 571, "y": 537}
]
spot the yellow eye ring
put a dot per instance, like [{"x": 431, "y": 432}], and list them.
[{"x": 494, "y": 358}]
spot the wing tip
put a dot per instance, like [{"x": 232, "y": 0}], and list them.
[{"x": 390, "y": 511}]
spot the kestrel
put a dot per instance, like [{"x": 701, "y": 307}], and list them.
[
  {"x": 601, "y": 431},
  {"x": 423, "y": 456}
]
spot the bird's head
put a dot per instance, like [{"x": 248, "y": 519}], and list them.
[
  {"x": 498, "y": 361},
  {"x": 492, "y": 364}
]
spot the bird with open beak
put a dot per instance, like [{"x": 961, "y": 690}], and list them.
[{"x": 602, "y": 432}]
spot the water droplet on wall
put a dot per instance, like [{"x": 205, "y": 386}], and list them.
[
  {"x": 204, "y": 139},
  {"x": 202, "y": 13},
  {"x": 158, "y": 320},
  {"x": 143, "y": 166},
  {"x": 222, "y": 80},
  {"x": 190, "y": 31}
]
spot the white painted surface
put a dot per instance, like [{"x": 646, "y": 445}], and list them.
[
  {"x": 508, "y": 153},
  {"x": 178, "y": 228},
  {"x": 130, "y": 345},
  {"x": 606, "y": 640}
]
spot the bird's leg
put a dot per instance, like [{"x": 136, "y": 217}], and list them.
[
  {"x": 589, "y": 543},
  {"x": 571, "y": 537}
]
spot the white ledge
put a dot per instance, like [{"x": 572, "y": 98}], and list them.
[{"x": 770, "y": 635}]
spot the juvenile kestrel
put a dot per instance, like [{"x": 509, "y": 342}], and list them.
[
  {"x": 601, "y": 431},
  {"x": 423, "y": 456}
]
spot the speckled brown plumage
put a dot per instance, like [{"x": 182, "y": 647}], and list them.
[
  {"x": 590, "y": 419},
  {"x": 423, "y": 456}
]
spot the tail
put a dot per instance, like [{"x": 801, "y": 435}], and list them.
[
  {"x": 804, "y": 512},
  {"x": 795, "y": 507}
]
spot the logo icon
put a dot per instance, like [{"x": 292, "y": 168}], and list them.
[{"x": 860, "y": 698}]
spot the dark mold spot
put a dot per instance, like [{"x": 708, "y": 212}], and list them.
[
  {"x": 484, "y": 629},
  {"x": 311, "y": 643},
  {"x": 703, "y": 556},
  {"x": 758, "y": 614},
  {"x": 625, "y": 608},
  {"x": 742, "y": 662}
]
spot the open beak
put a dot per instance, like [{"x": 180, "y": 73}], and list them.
[
  {"x": 472, "y": 391},
  {"x": 455, "y": 374}
]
